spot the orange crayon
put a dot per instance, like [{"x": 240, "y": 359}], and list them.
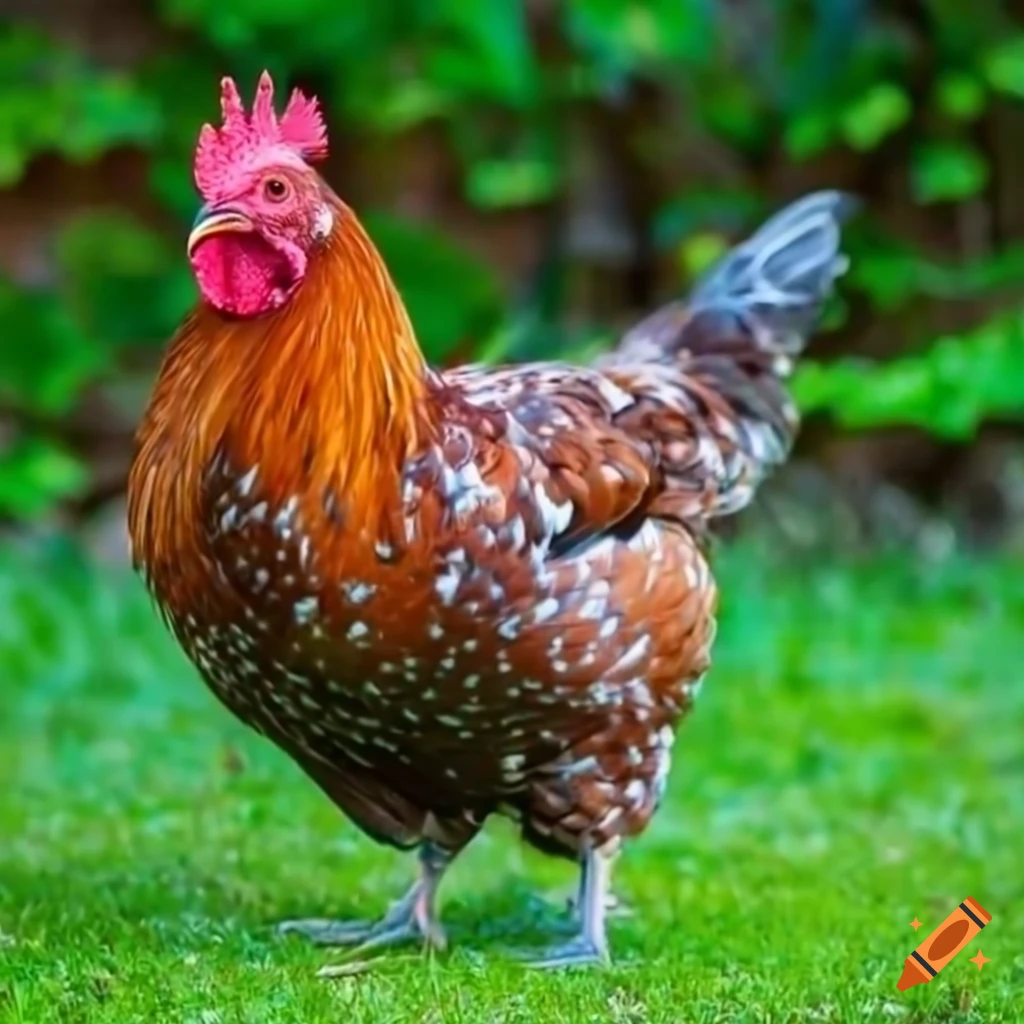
[{"x": 943, "y": 944}]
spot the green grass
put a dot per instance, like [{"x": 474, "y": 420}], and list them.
[{"x": 856, "y": 759}]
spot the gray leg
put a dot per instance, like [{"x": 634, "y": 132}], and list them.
[
  {"x": 590, "y": 946},
  {"x": 412, "y": 917},
  {"x": 614, "y": 906}
]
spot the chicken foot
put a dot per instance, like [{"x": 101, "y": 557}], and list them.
[
  {"x": 590, "y": 945},
  {"x": 412, "y": 917}
]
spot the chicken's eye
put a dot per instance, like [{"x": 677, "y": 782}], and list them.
[{"x": 275, "y": 189}]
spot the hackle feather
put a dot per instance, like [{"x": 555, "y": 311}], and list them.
[{"x": 309, "y": 393}]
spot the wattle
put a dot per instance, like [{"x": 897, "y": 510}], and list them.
[{"x": 243, "y": 274}]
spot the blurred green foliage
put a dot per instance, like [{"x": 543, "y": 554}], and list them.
[{"x": 842, "y": 83}]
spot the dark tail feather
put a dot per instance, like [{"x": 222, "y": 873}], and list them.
[
  {"x": 777, "y": 282},
  {"x": 763, "y": 298},
  {"x": 719, "y": 359}
]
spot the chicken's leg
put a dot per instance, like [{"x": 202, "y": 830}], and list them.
[
  {"x": 590, "y": 946},
  {"x": 412, "y": 917},
  {"x": 614, "y": 906}
]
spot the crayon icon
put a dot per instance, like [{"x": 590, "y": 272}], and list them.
[{"x": 943, "y": 944}]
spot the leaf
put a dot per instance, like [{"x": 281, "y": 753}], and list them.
[
  {"x": 45, "y": 358},
  {"x": 890, "y": 278},
  {"x": 494, "y": 54},
  {"x": 497, "y": 184},
  {"x": 809, "y": 133},
  {"x": 892, "y": 274},
  {"x": 949, "y": 388},
  {"x": 123, "y": 283},
  {"x": 55, "y": 101},
  {"x": 882, "y": 110},
  {"x": 623, "y": 37},
  {"x": 1004, "y": 67},
  {"x": 452, "y": 297},
  {"x": 730, "y": 210},
  {"x": 947, "y": 171},
  {"x": 960, "y": 96},
  {"x": 735, "y": 112},
  {"x": 407, "y": 104},
  {"x": 34, "y": 474},
  {"x": 700, "y": 251}
]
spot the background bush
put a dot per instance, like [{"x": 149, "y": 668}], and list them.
[{"x": 536, "y": 174}]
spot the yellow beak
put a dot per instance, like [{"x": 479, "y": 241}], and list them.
[{"x": 212, "y": 222}]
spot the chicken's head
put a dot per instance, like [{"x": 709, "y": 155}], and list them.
[{"x": 266, "y": 210}]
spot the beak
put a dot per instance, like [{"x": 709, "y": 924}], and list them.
[{"x": 212, "y": 220}]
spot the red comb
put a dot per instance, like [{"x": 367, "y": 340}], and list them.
[{"x": 225, "y": 153}]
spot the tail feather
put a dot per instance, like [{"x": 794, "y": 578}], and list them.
[
  {"x": 763, "y": 297},
  {"x": 713, "y": 366},
  {"x": 777, "y": 282}
]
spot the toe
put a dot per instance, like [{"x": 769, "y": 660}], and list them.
[
  {"x": 325, "y": 932},
  {"x": 580, "y": 952}
]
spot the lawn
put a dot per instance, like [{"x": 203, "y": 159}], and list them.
[{"x": 856, "y": 760}]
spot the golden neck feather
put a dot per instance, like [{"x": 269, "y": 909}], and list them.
[{"x": 328, "y": 392}]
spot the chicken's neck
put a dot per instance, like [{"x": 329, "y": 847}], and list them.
[
  {"x": 334, "y": 386},
  {"x": 324, "y": 397}
]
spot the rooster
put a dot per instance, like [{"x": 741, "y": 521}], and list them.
[{"x": 448, "y": 595}]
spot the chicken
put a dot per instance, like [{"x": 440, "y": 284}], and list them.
[{"x": 448, "y": 595}]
